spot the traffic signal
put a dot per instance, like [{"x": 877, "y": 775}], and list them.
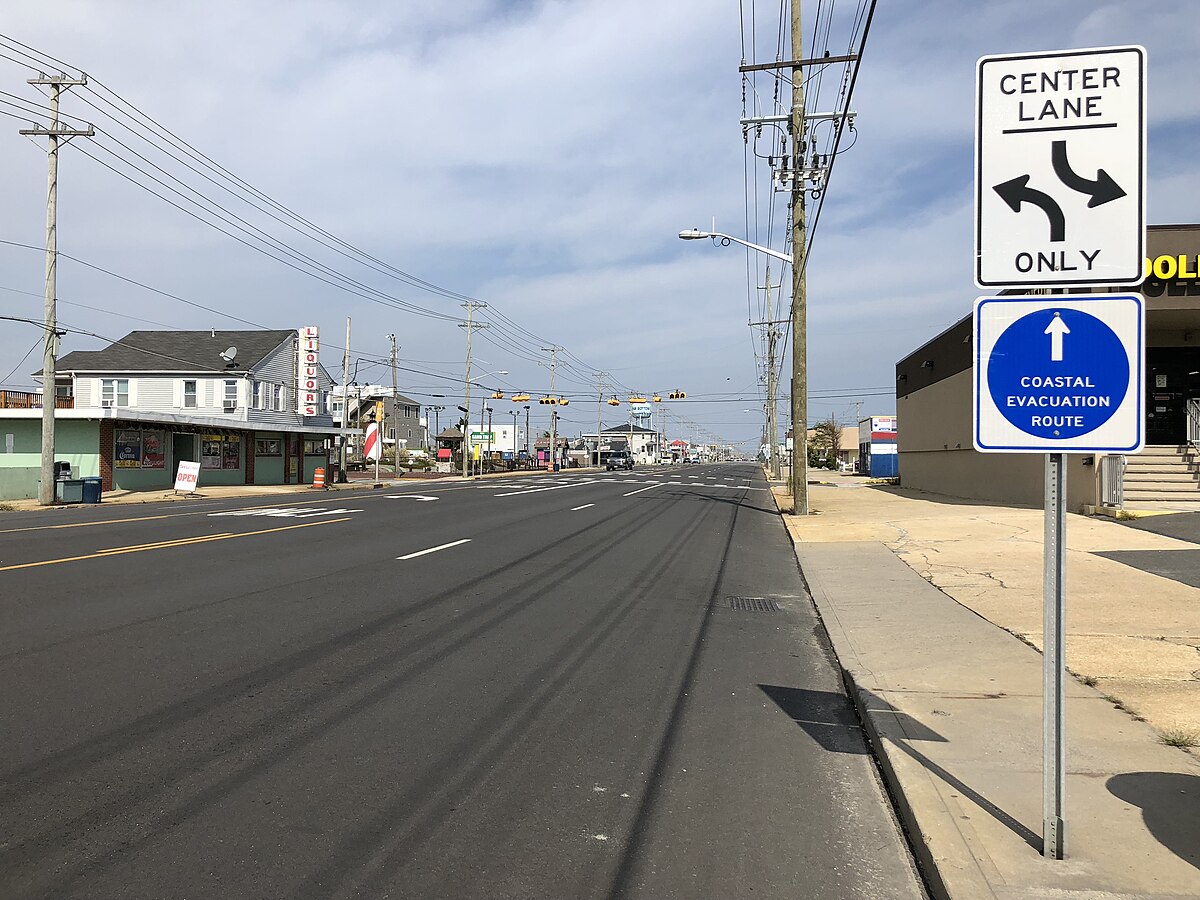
[
  {"x": 520, "y": 398},
  {"x": 613, "y": 401},
  {"x": 676, "y": 395},
  {"x": 637, "y": 399},
  {"x": 563, "y": 401},
  {"x": 498, "y": 395},
  {"x": 656, "y": 398},
  {"x": 545, "y": 401}
]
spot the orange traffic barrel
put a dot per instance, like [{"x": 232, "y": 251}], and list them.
[{"x": 319, "y": 478}]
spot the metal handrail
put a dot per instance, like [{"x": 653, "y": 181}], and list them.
[
  {"x": 1112, "y": 481},
  {"x": 1193, "y": 423}
]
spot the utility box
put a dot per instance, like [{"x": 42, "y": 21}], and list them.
[{"x": 69, "y": 490}]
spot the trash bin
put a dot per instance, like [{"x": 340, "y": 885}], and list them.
[
  {"x": 69, "y": 490},
  {"x": 93, "y": 487}
]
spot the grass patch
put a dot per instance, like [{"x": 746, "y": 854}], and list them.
[
  {"x": 1115, "y": 701},
  {"x": 1126, "y": 516},
  {"x": 1178, "y": 737},
  {"x": 1090, "y": 680},
  {"x": 6, "y": 507}
]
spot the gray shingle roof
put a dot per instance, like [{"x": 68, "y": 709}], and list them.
[
  {"x": 626, "y": 429},
  {"x": 177, "y": 351}
]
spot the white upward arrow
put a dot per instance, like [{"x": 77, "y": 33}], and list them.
[{"x": 1056, "y": 329}]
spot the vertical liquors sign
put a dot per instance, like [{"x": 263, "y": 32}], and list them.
[{"x": 308, "y": 390}]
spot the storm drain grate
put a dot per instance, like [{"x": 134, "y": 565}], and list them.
[{"x": 753, "y": 604}]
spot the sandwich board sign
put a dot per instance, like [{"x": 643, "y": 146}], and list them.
[
  {"x": 187, "y": 476},
  {"x": 1060, "y": 168},
  {"x": 1059, "y": 374}
]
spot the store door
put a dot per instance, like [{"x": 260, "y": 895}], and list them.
[
  {"x": 294, "y": 459},
  {"x": 183, "y": 449},
  {"x": 1172, "y": 378}
]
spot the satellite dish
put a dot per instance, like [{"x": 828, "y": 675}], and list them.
[{"x": 229, "y": 355}]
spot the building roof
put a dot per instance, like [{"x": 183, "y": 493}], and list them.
[
  {"x": 177, "y": 351},
  {"x": 628, "y": 429}
]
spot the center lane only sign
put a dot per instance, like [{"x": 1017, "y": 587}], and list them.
[
  {"x": 1062, "y": 374},
  {"x": 1060, "y": 168}
]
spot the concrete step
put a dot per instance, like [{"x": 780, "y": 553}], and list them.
[
  {"x": 1160, "y": 470},
  {"x": 1162, "y": 457},
  {"x": 1153, "y": 496},
  {"x": 1160, "y": 492},
  {"x": 1141, "y": 476}
]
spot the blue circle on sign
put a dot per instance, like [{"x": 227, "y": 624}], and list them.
[{"x": 1058, "y": 373}]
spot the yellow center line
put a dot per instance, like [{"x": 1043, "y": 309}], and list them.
[
  {"x": 103, "y": 554},
  {"x": 156, "y": 544}
]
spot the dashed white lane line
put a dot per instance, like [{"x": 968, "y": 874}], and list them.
[
  {"x": 557, "y": 487},
  {"x": 639, "y": 490},
  {"x": 435, "y": 549},
  {"x": 578, "y": 508}
]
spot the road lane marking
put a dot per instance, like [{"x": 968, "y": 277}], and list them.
[
  {"x": 435, "y": 549},
  {"x": 407, "y": 497},
  {"x": 557, "y": 487},
  {"x": 117, "y": 551},
  {"x": 578, "y": 508},
  {"x": 284, "y": 512},
  {"x": 639, "y": 490}
]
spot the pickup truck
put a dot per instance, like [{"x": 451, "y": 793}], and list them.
[{"x": 619, "y": 459}]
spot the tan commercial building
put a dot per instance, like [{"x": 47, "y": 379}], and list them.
[{"x": 933, "y": 404}]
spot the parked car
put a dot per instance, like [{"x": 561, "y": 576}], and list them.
[{"x": 619, "y": 459}]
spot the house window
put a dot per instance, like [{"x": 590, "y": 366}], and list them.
[
  {"x": 231, "y": 394},
  {"x": 189, "y": 394},
  {"x": 277, "y": 390},
  {"x": 114, "y": 392}
]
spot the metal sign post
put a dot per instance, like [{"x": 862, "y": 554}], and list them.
[{"x": 1054, "y": 747}]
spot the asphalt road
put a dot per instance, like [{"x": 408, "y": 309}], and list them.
[{"x": 581, "y": 685}]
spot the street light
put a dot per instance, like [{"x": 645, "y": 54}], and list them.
[
  {"x": 799, "y": 369},
  {"x": 693, "y": 234}
]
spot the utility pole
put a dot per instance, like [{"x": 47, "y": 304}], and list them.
[
  {"x": 799, "y": 286},
  {"x": 395, "y": 428},
  {"x": 345, "y": 403},
  {"x": 600, "y": 376},
  {"x": 772, "y": 385},
  {"x": 470, "y": 306},
  {"x": 554, "y": 411},
  {"x": 526, "y": 432},
  {"x": 53, "y": 133}
]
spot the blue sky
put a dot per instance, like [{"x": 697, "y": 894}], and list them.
[{"x": 541, "y": 157}]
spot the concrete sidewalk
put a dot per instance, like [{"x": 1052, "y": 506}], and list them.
[{"x": 953, "y": 701}]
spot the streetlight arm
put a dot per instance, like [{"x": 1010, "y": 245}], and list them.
[{"x": 725, "y": 239}]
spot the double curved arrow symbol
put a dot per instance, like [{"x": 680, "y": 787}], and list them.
[
  {"x": 1018, "y": 191},
  {"x": 1102, "y": 190}
]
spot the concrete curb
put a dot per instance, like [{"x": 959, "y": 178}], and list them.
[{"x": 861, "y": 685}]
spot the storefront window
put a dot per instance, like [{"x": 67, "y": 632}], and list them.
[
  {"x": 221, "y": 451},
  {"x": 268, "y": 447},
  {"x": 134, "y": 449}
]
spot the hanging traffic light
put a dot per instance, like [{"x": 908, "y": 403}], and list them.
[
  {"x": 656, "y": 398},
  {"x": 637, "y": 399},
  {"x": 520, "y": 398},
  {"x": 548, "y": 401},
  {"x": 563, "y": 401},
  {"x": 613, "y": 401},
  {"x": 498, "y": 395},
  {"x": 676, "y": 395}
]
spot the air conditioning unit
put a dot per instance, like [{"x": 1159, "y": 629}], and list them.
[
  {"x": 107, "y": 404},
  {"x": 230, "y": 405}
]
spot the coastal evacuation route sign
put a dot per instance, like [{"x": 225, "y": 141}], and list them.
[
  {"x": 1060, "y": 168},
  {"x": 1061, "y": 374}
]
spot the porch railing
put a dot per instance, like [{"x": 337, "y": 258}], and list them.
[
  {"x": 1112, "y": 481},
  {"x": 31, "y": 400}
]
